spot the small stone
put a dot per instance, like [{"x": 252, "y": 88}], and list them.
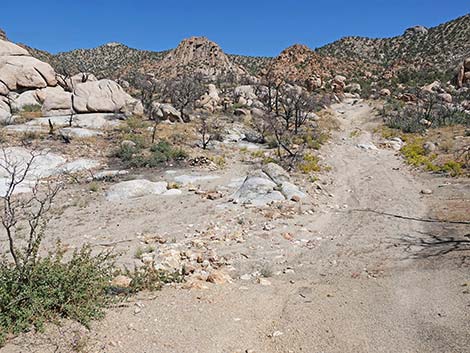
[
  {"x": 426, "y": 191},
  {"x": 218, "y": 277},
  {"x": 128, "y": 144},
  {"x": 245, "y": 277},
  {"x": 295, "y": 198},
  {"x": 264, "y": 282},
  {"x": 121, "y": 281},
  {"x": 276, "y": 334}
]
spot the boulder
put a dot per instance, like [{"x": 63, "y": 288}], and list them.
[
  {"x": 313, "y": 83},
  {"x": 258, "y": 190},
  {"x": 267, "y": 185},
  {"x": 104, "y": 96},
  {"x": 134, "y": 189},
  {"x": 466, "y": 64},
  {"x": 276, "y": 173},
  {"x": 445, "y": 97},
  {"x": 241, "y": 112},
  {"x": 165, "y": 111},
  {"x": 5, "y": 112},
  {"x": 77, "y": 132},
  {"x": 245, "y": 91},
  {"x": 353, "y": 88},
  {"x": 10, "y": 49},
  {"x": 55, "y": 101},
  {"x": 25, "y": 72},
  {"x": 416, "y": 30},
  {"x": 385, "y": 92},
  {"x": 291, "y": 191},
  {"x": 339, "y": 83},
  {"x": 28, "y": 98},
  {"x": 432, "y": 87}
]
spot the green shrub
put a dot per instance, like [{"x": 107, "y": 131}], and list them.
[
  {"x": 159, "y": 153},
  {"x": 415, "y": 155},
  {"x": 453, "y": 168},
  {"x": 31, "y": 108},
  {"x": 149, "y": 278},
  {"x": 51, "y": 288},
  {"x": 309, "y": 164}
]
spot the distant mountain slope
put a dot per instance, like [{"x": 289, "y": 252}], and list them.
[
  {"x": 112, "y": 60},
  {"x": 432, "y": 53},
  {"x": 441, "y": 47}
]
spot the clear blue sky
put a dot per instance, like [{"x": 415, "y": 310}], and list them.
[{"x": 255, "y": 27}]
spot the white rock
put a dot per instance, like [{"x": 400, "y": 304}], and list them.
[
  {"x": 10, "y": 49},
  {"x": 19, "y": 72},
  {"x": 55, "y": 101},
  {"x": 104, "y": 96},
  {"x": 28, "y": 98},
  {"x": 135, "y": 188}
]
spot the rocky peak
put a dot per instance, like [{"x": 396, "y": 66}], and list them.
[
  {"x": 197, "y": 54},
  {"x": 416, "y": 30},
  {"x": 3, "y": 34},
  {"x": 113, "y": 44}
]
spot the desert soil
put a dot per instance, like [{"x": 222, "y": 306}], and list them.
[{"x": 342, "y": 274}]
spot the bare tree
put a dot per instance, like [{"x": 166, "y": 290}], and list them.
[
  {"x": 184, "y": 92},
  {"x": 20, "y": 209},
  {"x": 208, "y": 129}
]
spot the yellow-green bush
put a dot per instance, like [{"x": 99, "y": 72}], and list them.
[{"x": 309, "y": 164}]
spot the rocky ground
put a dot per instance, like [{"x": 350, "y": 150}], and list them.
[{"x": 362, "y": 264}]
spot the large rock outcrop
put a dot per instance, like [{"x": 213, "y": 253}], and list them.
[
  {"x": 463, "y": 73},
  {"x": 197, "y": 55},
  {"x": 102, "y": 97},
  {"x": 27, "y": 81}
]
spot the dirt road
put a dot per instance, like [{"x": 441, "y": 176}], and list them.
[{"x": 367, "y": 282}]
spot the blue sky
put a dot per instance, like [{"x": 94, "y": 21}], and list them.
[{"x": 255, "y": 27}]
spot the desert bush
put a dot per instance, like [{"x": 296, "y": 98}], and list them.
[
  {"x": 52, "y": 288},
  {"x": 31, "y": 108},
  {"x": 408, "y": 118},
  {"x": 149, "y": 278},
  {"x": 159, "y": 153},
  {"x": 415, "y": 155},
  {"x": 454, "y": 168},
  {"x": 309, "y": 164}
]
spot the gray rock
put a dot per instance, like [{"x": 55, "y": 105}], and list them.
[
  {"x": 79, "y": 165},
  {"x": 109, "y": 174},
  {"x": 257, "y": 191},
  {"x": 20, "y": 72},
  {"x": 429, "y": 147},
  {"x": 291, "y": 191},
  {"x": 76, "y": 132},
  {"x": 190, "y": 179},
  {"x": 55, "y": 101},
  {"x": 135, "y": 188},
  {"x": 367, "y": 146},
  {"x": 104, "y": 96},
  {"x": 28, "y": 98},
  {"x": 276, "y": 173}
]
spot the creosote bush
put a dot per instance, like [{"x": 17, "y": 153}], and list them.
[
  {"x": 415, "y": 155},
  {"x": 139, "y": 157},
  {"x": 52, "y": 288}
]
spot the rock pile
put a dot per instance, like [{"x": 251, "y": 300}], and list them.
[
  {"x": 26, "y": 82},
  {"x": 262, "y": 187},
  {"x": 197, "y": 55},
  {"x": 463, "y": 73}
]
